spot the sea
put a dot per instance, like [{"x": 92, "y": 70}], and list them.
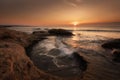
[{"x": 87, "y": 42}]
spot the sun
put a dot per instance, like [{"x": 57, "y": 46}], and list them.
[{"x": 75, "y": 23}]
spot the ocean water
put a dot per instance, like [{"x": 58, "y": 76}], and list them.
[
  {"x": 101, "y": 66},
  {"x": 87, "y": 42},
  {"x": 109, "y": 31}
]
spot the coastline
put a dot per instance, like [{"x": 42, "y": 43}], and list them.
[
  {"x": 15, "y": 64},
  {"x": 17, "y": 46}
]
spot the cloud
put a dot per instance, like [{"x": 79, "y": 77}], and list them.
[
  {"x": 73, "y": 3},
  {"x": 20, "y": 6}
]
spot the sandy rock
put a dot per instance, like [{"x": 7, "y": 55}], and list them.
[
  {"x": 14, "y": 63},
  {"x": 15, "y": 37}
]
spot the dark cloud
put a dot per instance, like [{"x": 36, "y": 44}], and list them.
[
  {"x": 17, "y": 6},
  {"x": 12, "y": 6}
]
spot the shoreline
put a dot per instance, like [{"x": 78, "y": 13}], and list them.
[
  {"x": 18, "y": 46},
  {"x": 13, "y": 44},
  {"x": 8, "y": 38}
]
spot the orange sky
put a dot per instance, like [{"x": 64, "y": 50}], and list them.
[{"x": 52, "y": 12}]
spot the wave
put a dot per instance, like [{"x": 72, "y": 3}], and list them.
[{"x": 99, "y": 30}]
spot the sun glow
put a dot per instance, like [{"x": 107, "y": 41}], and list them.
[{"x": 75, "y": 23}]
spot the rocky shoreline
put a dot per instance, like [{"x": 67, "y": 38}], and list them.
[
  {"x": 15, "y": 54},
  {"x": 14, "y": 63},
  {"x": 52, "y": 59}
]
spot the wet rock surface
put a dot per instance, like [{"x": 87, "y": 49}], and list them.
[
  {"x": 100, "y": 67},
  {"x": 116, "y": 55},
  {"x": 54, "y": 52},
  {"x": 52, "y": 59},
  {"x": 114, "y": 45}
]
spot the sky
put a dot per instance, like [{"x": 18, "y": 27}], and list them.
[{"x": 52, "y": 12}]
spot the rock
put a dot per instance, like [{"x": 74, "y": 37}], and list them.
[
  {"x": 54, "y": 52},
  {"x": 57, "y": 64},
  {"x": 112, "y": 44},
  {"x": 80, "y": 61},
  {"x": 44, "y": 62},
  {"x": 115, "y": 46},
  {"x": 65, "y": 61},
  {"x": 40, "y": 33},
  {"x": 60, "y": 32},
  {"x": 49, "y": 57},
  {"x": 14, "y": 63},
  {"x": 15, "y": 37},
  {"x": 116, "y": 55}
]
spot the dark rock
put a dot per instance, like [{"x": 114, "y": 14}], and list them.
[
  {"x": 40, "y": 33},
  {"x": 60, "y": 32},
  {"x": 32, "y": 44},
  {"x": 116, "y": 55},
  {"x": 43, "y": 62},
  {"x": 4, "y": 46},
  {"x": 59, "y": 64},
  {"x": 65, "y": 60},
  {"x": 54, "y": 52},
  {"x": 80, "y": 61},
  {"x": 113, "y": 44}
]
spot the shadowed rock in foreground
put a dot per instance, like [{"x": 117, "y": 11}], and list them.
[{"x": 14, "y": 63}]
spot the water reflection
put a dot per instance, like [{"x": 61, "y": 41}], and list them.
[{"x": 76, "y": 37}]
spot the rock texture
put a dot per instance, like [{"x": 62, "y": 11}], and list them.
[
  {"x": 114, "y": 45},
  {"x": 15, "y": 37},
  {"x": 14, "y": 63},
  {"x": 116, "y": 55},
  {"x": 60, "y": 32},
  {"x": 56, "y": 58}
]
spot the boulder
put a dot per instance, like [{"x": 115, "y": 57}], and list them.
[
  {"x": 60, "y": 32},
  {"x": 40, "y": 33},
  {"x": 116, "y": 55},
  {"x": 80, "y": 61},
  {"x": 112, "y": 44}
]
